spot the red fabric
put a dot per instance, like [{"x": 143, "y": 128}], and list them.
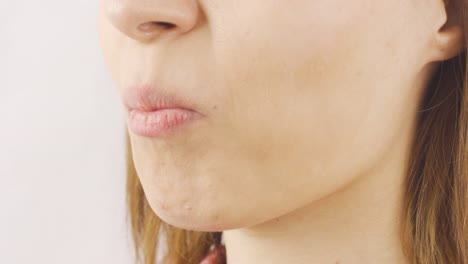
[{"x": 216, "y": 256}]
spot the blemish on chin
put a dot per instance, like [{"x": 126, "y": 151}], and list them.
[{"x": 163, "y": 205}]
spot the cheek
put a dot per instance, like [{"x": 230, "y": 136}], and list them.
[
  {"x": 270, "y": 54},
  {"x": 281, "y": 75},
  {"x": 308, "y": 98}
]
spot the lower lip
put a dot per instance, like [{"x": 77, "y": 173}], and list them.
[{"x": 160, "y": 123}]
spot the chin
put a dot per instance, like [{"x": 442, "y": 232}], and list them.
[
  {"x": 195, "y": 223},
  {"x": 191, "y": 218}
]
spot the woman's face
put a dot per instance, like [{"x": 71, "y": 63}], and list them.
[{"x": 299, "y": 98}]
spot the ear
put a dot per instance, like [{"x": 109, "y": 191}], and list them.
[{"x": 448, "y": 39}]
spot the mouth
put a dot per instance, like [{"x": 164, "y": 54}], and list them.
[
  {"x": 157, "y": 113},
  {"x": 160, "y": 123}
]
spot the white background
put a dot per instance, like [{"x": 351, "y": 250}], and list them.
[{"x": 62, "y": 163}]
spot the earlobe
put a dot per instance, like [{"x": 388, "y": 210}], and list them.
[{"x": 449, "y": 40}]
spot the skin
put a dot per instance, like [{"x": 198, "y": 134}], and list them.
[{"x": 309, "y": 109}]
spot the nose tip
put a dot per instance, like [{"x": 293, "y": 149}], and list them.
[{"x": 143, "y": 20}]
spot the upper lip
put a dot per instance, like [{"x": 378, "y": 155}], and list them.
[{"x": 148, "y": 98}]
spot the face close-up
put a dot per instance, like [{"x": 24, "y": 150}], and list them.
[{"x": 296, "y": 98}]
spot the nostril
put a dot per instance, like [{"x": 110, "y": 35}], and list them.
[
  {"x": 164, "y": 24},
  {"x": 150, "y": 26}
]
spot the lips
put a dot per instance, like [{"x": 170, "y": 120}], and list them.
[
  {"x": 154, "y": 113},
  {"x": 150, "y": 98}
]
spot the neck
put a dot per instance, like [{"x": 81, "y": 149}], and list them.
[{"x": 359, "y": 223}]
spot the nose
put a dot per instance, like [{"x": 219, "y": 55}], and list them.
[{"x": 143, "y": 20}]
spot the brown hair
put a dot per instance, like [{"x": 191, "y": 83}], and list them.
[{"x": 434, "y": 217}]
